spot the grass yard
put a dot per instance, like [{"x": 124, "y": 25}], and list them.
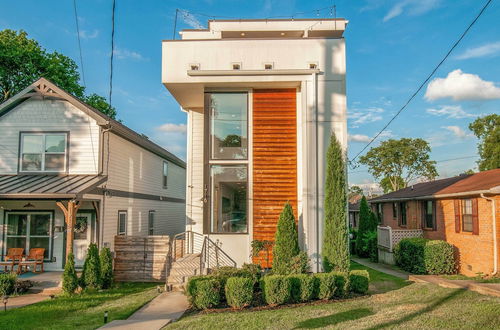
[
  {"x": 394, "y": 303},
  {"x": 84, "y": 311},
  {"x": 478, "y": 279}
]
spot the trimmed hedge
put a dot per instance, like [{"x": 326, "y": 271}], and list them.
[
  {"x": 7, "y": 283},
  {"x": 424, "y": 256},
  {"x": 341, "y": 284},
  {"x": 239, "y": 291},
  {"x": 304, "y": 287},
  {"x": 359, "y": 281},
  {"x": 277, "y": 289},
  {"x": 326, "y": 285},
  {"x": 207, "y": 294}
]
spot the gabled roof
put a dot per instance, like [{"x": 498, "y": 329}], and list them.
[
  {"x": 473, "y": 184},
  {"x": 44, "y": 88}
]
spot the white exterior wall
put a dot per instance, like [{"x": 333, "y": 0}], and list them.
[
  {"x": 46, "y": 116},
  {"x": 137, "y": 170}
]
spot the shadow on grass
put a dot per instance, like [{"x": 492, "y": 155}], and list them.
[
  {"x": 427, "y": 309},
  {"x": 324, "y": 321}
]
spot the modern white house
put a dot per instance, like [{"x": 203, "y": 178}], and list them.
[
  {"x": 263, "y": 98},
  {"x": 70, "y": 175}
]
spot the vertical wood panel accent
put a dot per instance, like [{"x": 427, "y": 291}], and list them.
[{"x": 274, "y": 161}]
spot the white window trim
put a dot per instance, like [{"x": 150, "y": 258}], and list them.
[
  {"x": 124, "y": 233},
  {"x": 163, "y": 183},
  {"x": 43, "y": 153}
]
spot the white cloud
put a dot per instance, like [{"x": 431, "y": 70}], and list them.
[
  {"x": 459, "y": 132},
  {"x": 450, "y": 111},
  {"x": 190, "y": 20},
  {"x": 122, "y": 54},
  {"x": 461, "y": 86},
  {"x": 492, "y": 48},
  {"x": 364, "y": 116},
  {"x": 172, "y": 128},
  {"x": 172, "y": 137},
  {"x": 358, "y": 138},
  {"x": 84, "y": 34},
  {"x": 411, "y": 7}
]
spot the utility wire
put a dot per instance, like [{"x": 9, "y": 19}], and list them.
[
  {"x": 425, "y": 81},
  {"x": 79, "y": 43},
  {"x": 112, "y": 54}
]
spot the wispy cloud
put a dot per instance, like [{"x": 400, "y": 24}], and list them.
[
  {"x": 364, "y": 116},
  {"x": 122, "y": 53},
  {"x": 458, "y": 132},
  {"x": 450, "y": 111},
  {"x": 492, "y": 48},
  {"x": 172, "y": 137},
  {"x": 172, "y": 128},
  {"x": 84, "y": 34},
  {"x": 190, "y": 19},
  {"x": 461, "y": 86},
  {"x": 411, "y": 7},
  {"x": 361, "y": 138}
]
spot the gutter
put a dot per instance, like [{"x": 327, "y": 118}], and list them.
[
  {"x": 315, "y": 91},
  {"x": 495, "y": 243},
  {"x": 461, "y": 194}
]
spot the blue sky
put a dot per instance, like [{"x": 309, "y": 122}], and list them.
[{"x": 392, "y": 45}]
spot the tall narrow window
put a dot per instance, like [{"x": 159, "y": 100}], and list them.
[
  {"x": 165, "y": 174},
  {"x": 394, "y": 210},
  {"x": 428, "y": 214},
  {"x": 43, "y": 152},
  {"x": 228, "y": 164},
  {"x": 151, "y": 223},
  {"x": 467, "y": 215},
  {"x": 402, "y": 212},
  {"x": 122, "y": 222}
]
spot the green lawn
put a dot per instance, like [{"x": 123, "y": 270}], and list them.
[
  {"x": 84, "y": 311},
  {"x": 478, "y": 279},
  {"x": 393, "y": 303}
]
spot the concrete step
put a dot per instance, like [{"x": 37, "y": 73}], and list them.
[{"x": 184, "y": 272}]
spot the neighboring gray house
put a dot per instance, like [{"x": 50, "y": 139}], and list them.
[{"x": 64, "y": 164}]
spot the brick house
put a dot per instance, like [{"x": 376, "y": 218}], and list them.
[{"x": 461, "y": 210}]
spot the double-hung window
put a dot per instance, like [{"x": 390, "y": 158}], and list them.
[
  {"x": 467, "y": 225},
  {"x": 228, "y": 162},
  {"x": 402, "y": 214},
  {"x": 429, "y": 216},
  {"x": 394, "y": 210},
  {"x": 43, "y": 152},
  {"x": 122, "y": 222}
]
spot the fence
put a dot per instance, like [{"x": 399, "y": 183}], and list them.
[
  {"x": 141, "y": 259},
  {"x": 387, "y": 237}
]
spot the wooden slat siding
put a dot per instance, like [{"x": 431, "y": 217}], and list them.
[
  {"x": 130, "y": 263},
  {"x": 274, "y": 161}
]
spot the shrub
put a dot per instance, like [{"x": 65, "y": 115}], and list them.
[
  {"x": 106, "y": 260},
  {"x": 207, "y": 294},
  {"x": 326, "y": 285},
  {"x": 192, "y": 285},
  {"x": 299, "y": 264},
  {"x": 70, "y": 279},
  {"x": 239, "y": 291},
  {"x": 341, "y": 284},
  {"x": 359, "y": 281},
  {"x": 286, "y": 239},
  {"x": 423, "y": 256},
  {"x": 91, "y": 273},
  {"x": 7, "y": 283},
  {"x": 253, "y": 271},
  {"x": 370, "y": 245},
  {"x": 303, "y": 287},
  {"x": 277, "y": 289},
  {"x": 335, "y": 249},
  {"x": 22, "y": 286},
  {"x": 363, "y": 226}
]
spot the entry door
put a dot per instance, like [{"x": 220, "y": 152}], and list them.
[{"x": 83, "y": 237}]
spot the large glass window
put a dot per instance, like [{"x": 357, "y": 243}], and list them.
[
  {"x": 29, "y": 230},
  {"x": 228, "y": 126},
  {"x": 229, "y": 198},
  {"x": 43, "y": 152}
]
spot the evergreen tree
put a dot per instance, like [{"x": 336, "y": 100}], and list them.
[
  {"x": 286, "y": 242},
  {"x": 335, "y": 234},
  {"x": 91, "y": 274},
  {"x": 365, "y": 225},
  {"x": 70, "y": 279},
  {"x": 106, "y": 268},
  {"x": 374, "y": 221}
]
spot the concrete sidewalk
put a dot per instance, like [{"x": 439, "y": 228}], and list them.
[
  {"x": 167, "y": 307},
  {"x": 383, "y": 268},
  {"x": 491, "y": 289}
]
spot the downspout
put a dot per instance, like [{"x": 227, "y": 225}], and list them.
[
  {"x": 315, "y": 98},
  {"x": 495, "y": 243}
]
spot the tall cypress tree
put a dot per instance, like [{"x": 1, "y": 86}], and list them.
[
  {"x": 335, "y": 233},
  {"x": 365, "y": 225},
  {"x": 286, "y": 241},
  {"x": 70, "y": 279}
]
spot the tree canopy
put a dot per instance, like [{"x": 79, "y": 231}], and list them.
[
  {"x": 400, "y": 162},
  {"x": 23, "y": 61},
  {"x": 487, "y": 130},
  {"x": 355, "y": 190}
]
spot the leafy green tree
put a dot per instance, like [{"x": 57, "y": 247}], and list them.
[
  {"x": 487, "y": 130},
  {"x": 364, "y": 226},
  {"x": 387, "y": 184},
  {"x": 106, "y": 260},
  {"x": 91, "y": 273},
  {"x": 405, "y": 159},
  {"x": 355, "y": 190},
  {"x": 70, "y": 279},
  {"x": 286, "y": 241},
  {"x": 335, "y": 234},
  {"x": 23, "y": 61}
]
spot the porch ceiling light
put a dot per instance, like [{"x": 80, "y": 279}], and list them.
[
  {"x": 242, "y": 34},
  {"x": 29, "y": 205}
]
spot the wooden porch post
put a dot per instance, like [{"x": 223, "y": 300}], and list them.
[{"x": 70, "y": 220}]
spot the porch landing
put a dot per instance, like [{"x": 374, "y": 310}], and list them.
[{"x": 46, "y": 283}]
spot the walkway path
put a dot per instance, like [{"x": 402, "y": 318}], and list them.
[
  {"x": 167, "y": 307},
  {"x": 44, "y": 285},
  {"x": 491, "y": 289},
  {"x": 25, "y": 300},
  {"x": 387, "y": 269}
]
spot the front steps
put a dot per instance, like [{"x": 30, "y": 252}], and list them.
[{"x": 182, "y": 269}]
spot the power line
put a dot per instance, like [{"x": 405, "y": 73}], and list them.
[
  {"x": 425, "y": 81},
  {"x": 112, "y": 53},
  {"x": 79, "y": 43}
]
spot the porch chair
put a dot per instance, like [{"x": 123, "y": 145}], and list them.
[
  {"x": 34, "y": 259},
  {"x": 12, "y": 258}
]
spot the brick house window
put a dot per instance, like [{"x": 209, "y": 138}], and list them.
[
  {"x": 402, "y": 212},
  {"x": 380, "y": 212},
  {"x": 429, "y": 216},
  {"x": 394, "y": 210},
  {"x": 467, "y": 215}
]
